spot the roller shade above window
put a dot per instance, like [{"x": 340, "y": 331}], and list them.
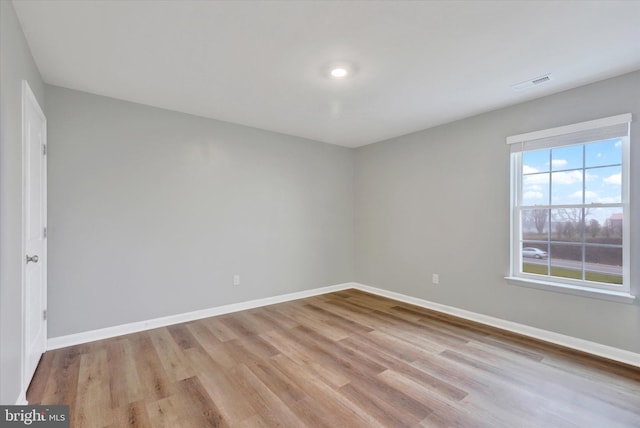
[{"x": 579, "y": 133}]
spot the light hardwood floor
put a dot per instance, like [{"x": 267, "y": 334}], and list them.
[{"x": 345, "y": 359}]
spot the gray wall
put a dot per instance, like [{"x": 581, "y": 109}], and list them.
[
  {"x": 152, "y": 212},
  {"x": 437, "y": 201},
  {"x": 16, "y": 64}
]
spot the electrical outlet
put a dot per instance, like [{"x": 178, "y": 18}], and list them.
[
  {"x": 236, "y": 279},
  {"x": 435, "y": 278}
]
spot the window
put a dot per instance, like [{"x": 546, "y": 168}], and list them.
[{"x": 570, "y": 206}]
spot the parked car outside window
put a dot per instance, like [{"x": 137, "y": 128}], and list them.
[{"x": 534, "y": 252}]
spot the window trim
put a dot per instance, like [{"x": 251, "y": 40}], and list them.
[
  {"x": 596, "y": 293},
  {"x": 557, "y": 137}
]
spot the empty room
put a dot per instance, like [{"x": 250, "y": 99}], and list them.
[{"x": 319, "y": 213}]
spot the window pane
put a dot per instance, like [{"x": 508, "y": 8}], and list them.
[
  {"x": 568, "y": 157},
  {"x": 613, "y": 228},
  {"x": 604, "y": 153},
  {"x": 603, "y": 264},
  {"x": 604, "y": 185},
  {"x": 534, "y": 258},
  {"x": 566, "y": 224},
  {"x": 603, "y": 226},
  {"x": 535, "y": 224},
  {"x": 566, "y": 187},
  {"x": 536, "y": 161},
  {"x": 566, "y": 261},
  {"x": 535, "y": 189}
]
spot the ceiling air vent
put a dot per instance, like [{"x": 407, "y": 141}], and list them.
[{"x": 523, "y": 86}]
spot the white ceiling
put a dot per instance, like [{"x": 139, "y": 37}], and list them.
[{"x": 263, "y": 63}]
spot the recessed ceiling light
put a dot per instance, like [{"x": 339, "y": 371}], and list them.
[{"x": 339, "y": 72}]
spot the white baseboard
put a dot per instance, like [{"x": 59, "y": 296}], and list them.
[
  {"x": 119, "y": 330},
  {"x": 594, "y": 348}
]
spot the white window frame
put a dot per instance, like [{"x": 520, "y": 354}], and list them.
[{"x": 579, "y": 133}]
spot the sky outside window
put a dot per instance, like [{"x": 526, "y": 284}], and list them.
[{"x": 591, "y": 171}]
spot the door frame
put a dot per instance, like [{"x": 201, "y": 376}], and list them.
[{"x": 28, "y": 98}]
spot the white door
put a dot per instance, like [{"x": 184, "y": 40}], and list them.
[{"x": 34, "y": 140}]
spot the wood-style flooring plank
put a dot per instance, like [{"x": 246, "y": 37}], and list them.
[
  {"x": 170, "y": 354},
  {"x": 273, "y": 410},
  {"x": 61, "y": 384},
  {"x": 343, "y": 359},
  {"x": 93, "y": 406},
  {"x": 124, "y": 382},
  {"x": 323, "y": 405},
  {"x": 132, "y": 415},
  {"x": 306, "y": 358},
  {"x": 153, "y": 379}
]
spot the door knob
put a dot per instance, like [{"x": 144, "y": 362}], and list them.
[{"x": 33, "y": 259}]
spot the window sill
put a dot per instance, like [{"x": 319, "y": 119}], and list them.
[{"x": 612, "y": 296}]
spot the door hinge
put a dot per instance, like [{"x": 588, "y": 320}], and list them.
[
  {"x": 44, "y": 314},
  {"x": 44, "y": 149},
  {"x": 44, "y": 232}
]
